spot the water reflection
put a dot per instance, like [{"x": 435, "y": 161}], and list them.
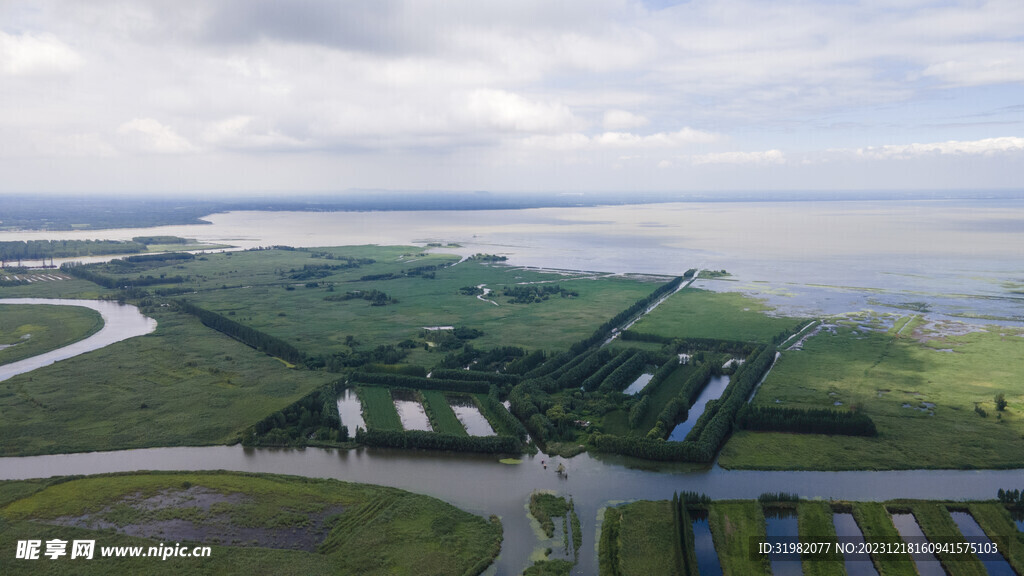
[
  {"x": 350, "y": 410},
  {"x": 781, "y": 527},
  {"x": 712, "y": 391},
  {"x": 848, "y": 532},
  {"x": 927, "y": 563},
  {"x": 704, "y": 545},
  {"x": 410, "y": 410},
  {"x": 994, "y": 563},
  {"x": 468, "y": 413}
]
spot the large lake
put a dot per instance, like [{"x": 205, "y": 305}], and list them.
[{"x": 961, "y": 257}]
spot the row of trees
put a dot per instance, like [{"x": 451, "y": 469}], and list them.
[
  {"x": 593, "y": 381},
  {"x": 622, "y": 376},
  {"x": 160, "y": 257},
  {"x": 315, "y": 416},
  {"x": 780, "y": 419},
  {"x": 678, "y": 408},
  {"x": 683, "y": 550},
  {"x": 402, "y": 381},
  {"x": 475, "y": 376},
  {"x": 86, "y": 273},
  {"x": 249, "y": 336},
  {"x": 605, "y": 330},
  {"x": 40, "y": 249},
  {"x": 433, "y": 441},
  {"x": 374, "y": 297},
  {"x": 505, "y": 424},
  {"x": 588, "y": 363}
]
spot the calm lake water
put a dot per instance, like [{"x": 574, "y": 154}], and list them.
[
  {"x": 712, "y": 391},
  {"x": 961, "y": 257}
]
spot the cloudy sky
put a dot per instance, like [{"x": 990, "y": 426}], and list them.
[{"x": 264, "y": 96}]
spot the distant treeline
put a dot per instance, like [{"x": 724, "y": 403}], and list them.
[
  {"x": 374, "y": 297},
  {"x": 314, "y": 271},
  {"x": 780, "y": 419},
  {"x": 160, "y": 240},
  {"x": 160, "y": 257},
  {"x": 249, "y": 336},
  {"x": 433, "y": 441},
  {"x": 87, "y": 273},
  {"x": 421, "y": 271},
  {"x": 41, "y": 249},
  {"x": 536, "y": 293}
]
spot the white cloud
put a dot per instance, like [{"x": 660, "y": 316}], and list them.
[
  {"x": 623, "y": 120},
  {"x": 511, "y": 112},
  {"x": 986, "y": 147},
  {"x": 28, "y": 54},
  {"x": 148, "y": 135},
  {"x": 240, "y": 132},
  {"x": 623, "y": 140},
  {"x": 765, "y": 157}
]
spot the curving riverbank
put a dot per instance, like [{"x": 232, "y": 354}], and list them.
[{"x": 120, "y": 322}]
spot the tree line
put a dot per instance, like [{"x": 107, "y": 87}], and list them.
[
  {"x": 250, "y": 336},
  {"x": 402, "y": 381},
  {"x": 475, "y": 376},
  {"x": 822, "y": 421},
  {"x": 40, "y": 249},
  {"x": 315, "y": 416},
  {"x": 624, "y": 375},
  {"x": 677, "y": 409},
  {"x": 85, "y": 273},
  {"x": 683, "y": 550}
]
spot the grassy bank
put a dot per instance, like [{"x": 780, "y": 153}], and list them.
[
  {"x": 693, "y": 313},
  {"x": 184, "y": 384},
  {"x": 255, "y": 524},
  {"x": 920, "y": 387},
  {"x": 30, "y": 330}
]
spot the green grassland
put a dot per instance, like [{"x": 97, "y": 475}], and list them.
[
  {"x": 442, "y": 417},
  {"x": 878, "y": 372},
  {"x": 876, "y": 526},
  {"x": 353, "y": 528},
  {"x": 32, "y": 329},
  {"x": 250, "y": 288},
  {"x": 184, "y": 384},
  {"x": 379, "y": 410},
  {"x": 814, "y": 521},
  {"x": 694, "y": 313},
  {"x": 733, "y": 525},
  {"x": 646, "y": 539}
]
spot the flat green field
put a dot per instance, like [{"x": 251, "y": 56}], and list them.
[
  {"x": 254, "y": 524},
  {"x": 694, "y": 313},
  {"x": 29, "y": 330},
  {"x": 184, "y": 384},
  {"x": 257, "y": 288},
  {"x": 70, "y": 288},
  {"x": 379, "y": 410},
  {"x": 920, "y": 387},
  {"x": 646, "y": 537},
  {"x": 733, "y": 525}
]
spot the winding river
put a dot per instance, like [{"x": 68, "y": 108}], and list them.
[
  {"x": 120, "y": 322},
  {"x": 481, "y": 484}
]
